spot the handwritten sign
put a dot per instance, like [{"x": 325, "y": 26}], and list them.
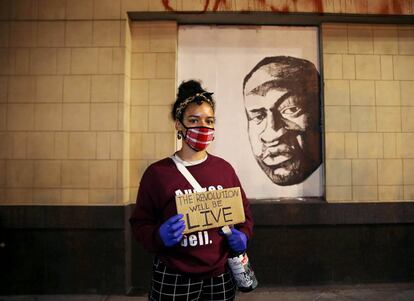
[{"x": 211, "y": 209}]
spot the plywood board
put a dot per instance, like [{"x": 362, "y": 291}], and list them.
[{"x": 211, "y": 209}]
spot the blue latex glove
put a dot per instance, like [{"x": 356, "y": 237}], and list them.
[
  {"x": 171, "y": 231},
  {"x": 237, "y": 241}
]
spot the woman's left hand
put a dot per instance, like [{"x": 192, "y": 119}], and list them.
[{"x": 237, "y": 241}]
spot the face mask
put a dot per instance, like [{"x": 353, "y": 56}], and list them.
[{"x": 199, "y": 137}]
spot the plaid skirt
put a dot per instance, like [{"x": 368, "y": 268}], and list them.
[{"x": 168, "y": 284}]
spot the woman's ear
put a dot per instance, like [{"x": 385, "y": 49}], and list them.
[
  {"x": 178, "y": 125},
  {"x": 179, "y": 128}
]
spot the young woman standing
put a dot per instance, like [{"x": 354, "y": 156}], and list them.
[{"x": 192, "y": 266}]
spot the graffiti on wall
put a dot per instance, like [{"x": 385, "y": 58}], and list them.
[{"x": 384, "y": 7}]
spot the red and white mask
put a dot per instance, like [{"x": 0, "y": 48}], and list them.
[{"x": 199, "y": 137}]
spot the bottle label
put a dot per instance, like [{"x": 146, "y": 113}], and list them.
[
  {"x": 243, "y": 280},
  {"x": 241, "y": 270}
]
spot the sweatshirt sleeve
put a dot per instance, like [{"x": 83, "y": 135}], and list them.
[
  {"x": 247, "y": 226},
  {"x": 145, "y": 219}
]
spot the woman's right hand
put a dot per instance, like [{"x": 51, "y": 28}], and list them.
[{"x": 171, "y": 231}]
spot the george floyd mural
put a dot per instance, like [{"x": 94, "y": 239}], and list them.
[
  {"x": 281, "y": 97},
  {"x": 267, "y": 87}
]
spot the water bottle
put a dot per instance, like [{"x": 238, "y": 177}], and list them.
[
  {"x": 240, "y": 267},
  {"x": 242, "y": 272}
]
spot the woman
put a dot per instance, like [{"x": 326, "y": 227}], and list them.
[{"x": 193, "y": 266}]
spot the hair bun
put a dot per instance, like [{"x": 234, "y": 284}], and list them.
[{"x": 188, "y": 89}]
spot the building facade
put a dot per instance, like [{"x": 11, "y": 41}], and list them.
[{"x": 85, "y": 93}]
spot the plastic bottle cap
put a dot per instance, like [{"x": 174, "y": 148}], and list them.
[{"x": 226, "y": 230}]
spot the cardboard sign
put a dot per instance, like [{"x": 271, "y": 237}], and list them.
[{"x": 211, "y": 209}]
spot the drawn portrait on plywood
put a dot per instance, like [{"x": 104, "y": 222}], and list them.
[{"x": 266, "y": 85}]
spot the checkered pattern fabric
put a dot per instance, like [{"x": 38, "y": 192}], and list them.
[
  {"x": 169, "y": 285},
  {"x": 199, "y": 138}
]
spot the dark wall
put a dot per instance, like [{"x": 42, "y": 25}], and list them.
[
  {"x": 53, "y": 249},
  {"x": 319, "y": 243},
  {"x": 63, "y": 261},
  {"x": 303, "y": 255}
]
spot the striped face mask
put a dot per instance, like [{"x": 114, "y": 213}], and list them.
[{"x": 199, "y": 137}]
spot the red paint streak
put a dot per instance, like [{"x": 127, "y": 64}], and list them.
[
  {"x": 284, "y": 9},
  {"x": 167, "y": 5},
  {"x": 263, "y": 4},
  {"x": 217, "y": 4},
  {"x": 318, "y": 6},
  {"x": 397, "y": 9},
  {"x": 206, "y": 3},
  {"x": 385, "y": 10}
]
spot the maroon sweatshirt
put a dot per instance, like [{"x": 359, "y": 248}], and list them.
[{"x": 203, "y": 253}]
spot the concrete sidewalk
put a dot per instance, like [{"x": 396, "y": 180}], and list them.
[{"x": 371, "y": 292}]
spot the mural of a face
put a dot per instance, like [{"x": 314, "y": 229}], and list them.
[{"x": 281, "y": 98}]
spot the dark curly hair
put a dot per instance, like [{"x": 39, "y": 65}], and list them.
[{"x": 189, "y": 92}]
